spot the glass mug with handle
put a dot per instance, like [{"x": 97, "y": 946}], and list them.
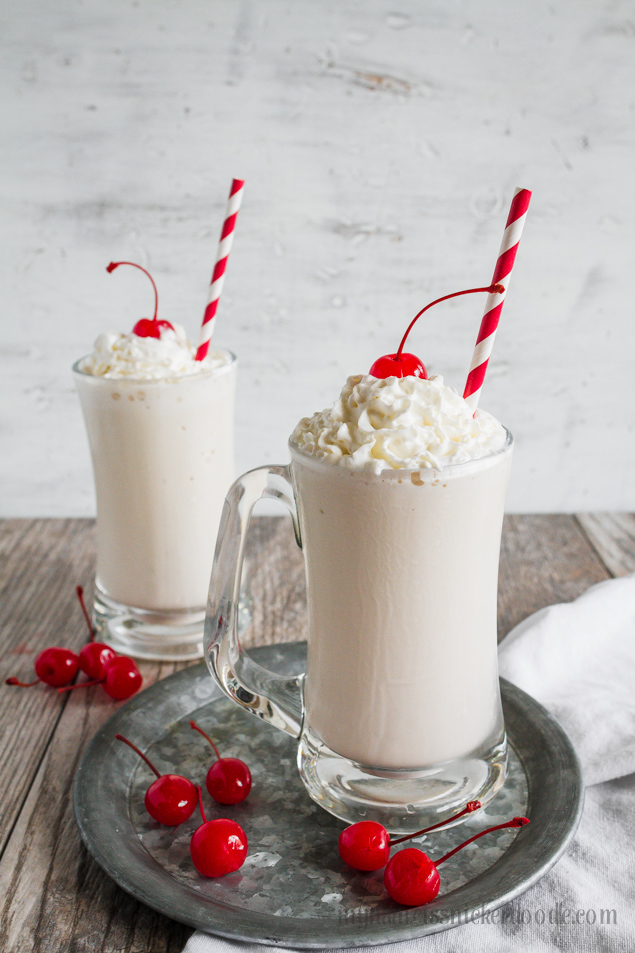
[{"x": 398, "y": 715}]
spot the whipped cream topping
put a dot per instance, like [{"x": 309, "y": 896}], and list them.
[
  {"x": 398, "y": 423},
  {"x": 128, "y": 355}
]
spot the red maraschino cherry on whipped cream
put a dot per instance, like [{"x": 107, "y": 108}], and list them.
[
  {"x": 154, "y": 350},
  {"x": 396, "y": 417}
]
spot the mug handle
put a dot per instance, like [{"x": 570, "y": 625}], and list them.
[{"x": 274, "y": 698}]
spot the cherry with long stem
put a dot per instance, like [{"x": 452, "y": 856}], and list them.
[
  {"x": 218, "y": 847},
  {"x": 95, "y": 658},
  {"x": 171, "y": 799},
  {"x": 412, "y": 879},
  {"x": 146, "y": 327},
  {"x": 366, "y": 845},
  {"x": 121, "y": 680},
  {"x": 54, "y": 666},
  {"x": 402, "y": 364},
  {"x": 228, "y": 780}
]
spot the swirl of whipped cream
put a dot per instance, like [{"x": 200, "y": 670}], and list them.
[
  {"x": 398, "y": 423},
  {"x": 128, "y": 355}
]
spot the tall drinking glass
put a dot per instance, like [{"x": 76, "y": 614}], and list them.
[
  {"x": 398, "y": 716},
  {"x": 163, "y": 459}
]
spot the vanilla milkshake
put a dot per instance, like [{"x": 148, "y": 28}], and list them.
[
  {"x": 400, "y": 494},
  {"x": 396, "y": 495},
  {"x": 160, "y": 427}
]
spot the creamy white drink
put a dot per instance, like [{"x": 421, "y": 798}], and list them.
[
  {"x": 160, "y": 427},
  {"x": 400, "y": 493}
]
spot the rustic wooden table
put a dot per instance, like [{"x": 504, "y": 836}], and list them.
[{"x": 54, "y": 897}]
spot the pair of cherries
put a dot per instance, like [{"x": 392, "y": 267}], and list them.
[
  {"x": 411, "y": 877},
  {"x": 403, "y": 364},
  {"x": 58, "y": 667},
  {"x": 218, "y": 846}
]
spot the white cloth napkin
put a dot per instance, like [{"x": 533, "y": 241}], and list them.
[{"x": 577, "y": 659}]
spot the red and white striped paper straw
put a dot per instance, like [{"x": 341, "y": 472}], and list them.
[
  {"x": 218, "y": 276},
  {"x": 494, "y": 303}
]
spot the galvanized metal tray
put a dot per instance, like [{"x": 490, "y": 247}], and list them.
[{"x": 293, "y": 889}]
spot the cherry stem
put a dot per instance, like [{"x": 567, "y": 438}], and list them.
[
  {"x": 115, "y": 264},
  {"x": 80, "y": 595},
  {"x": 515, "y": 822},
  {"x": 201, "y": 732},
  {"x": 14, "y": 681},
  {"x": 491, "y": 289},
  {"x": 71, "y": 688},
  {"x": 200, "y": 802},
  {"x": 140, "y": 753},
  {"x": 468, "y": 809}
]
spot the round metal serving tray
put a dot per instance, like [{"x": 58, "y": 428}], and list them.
[{"x": 293, "y": 889}]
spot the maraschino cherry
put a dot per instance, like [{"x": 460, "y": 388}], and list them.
[
  {"x": 96, "y": 657},
  {"x": 171, "y": 799},
  {"x": 366, "y": 845},
  {"x": 54, "y": 666},
  {"x": 123, "y": 678},
  {"x": 121, "y": 681},
  {"x": 412, "y": 879},
  {"x": 228, "y": 780},
  {"x": 403, "y": 364},
  {"x": 146, "y": 327},
  {"x": 217, "y": 847}
]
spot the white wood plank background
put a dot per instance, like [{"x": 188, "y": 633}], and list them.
[{"x": 381, "y": 142}]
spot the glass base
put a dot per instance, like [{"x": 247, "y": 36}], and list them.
[
  {"x": 403, "y": 801},
  {"x": 147, "y": 634},
  {"x": 157, "y": 636}
]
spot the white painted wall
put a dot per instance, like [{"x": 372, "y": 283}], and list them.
[{"x": 381, "y": 142}]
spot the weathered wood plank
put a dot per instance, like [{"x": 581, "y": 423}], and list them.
[
  {"x": 613, "y": 536},
  {"x": 544, "y": 559},
  {"x": 41, "y": 562}
]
